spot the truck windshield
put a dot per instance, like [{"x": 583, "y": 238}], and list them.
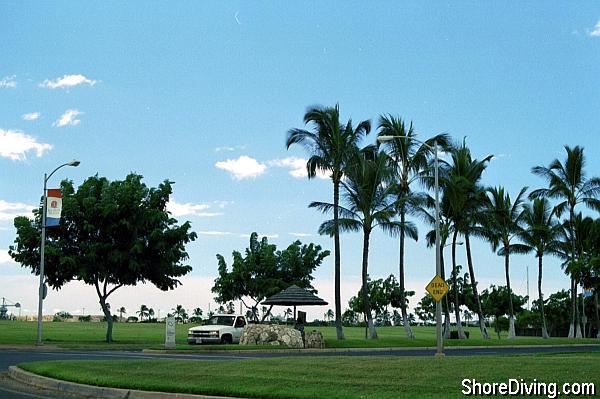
[{"x": 220, "y": 320}]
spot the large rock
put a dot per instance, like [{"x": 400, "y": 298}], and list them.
[
  {"x": 260, "y": 334},
  {"x": 314, "y": 339}
]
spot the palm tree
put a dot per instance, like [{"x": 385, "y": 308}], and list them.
[
  {"x": 539, "y": 234},
  {"x": 289, "y": 313},
  {"x": 568, "y": 184},
  {"x": 179, "y": 313},
  {"x": 410, "y": 159},
  {"x": 150, "y": 313},
  {"x": 369, "y": 204},
  {"x": 143, "y": 312},
  {"x": 464, "y": 199},
  {"x": 121, "y": 311},
  {"x": 331, "y": 145},
  {"x": 329, "y": 315},
  {"x": 500, "y": 227},
  {"x": 197, "y": 312}
]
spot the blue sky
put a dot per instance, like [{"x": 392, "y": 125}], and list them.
[{"x": 204, "y": 93}]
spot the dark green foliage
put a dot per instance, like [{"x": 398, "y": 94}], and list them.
[
  {"x": 495, "y": 301},
  {"x": 263, "y": 271},
  {"x": 111, "y": 234},
  {"x": 382, "y": 294}
]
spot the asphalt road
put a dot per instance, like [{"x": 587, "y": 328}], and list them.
[{"x": 12, "y": 390}]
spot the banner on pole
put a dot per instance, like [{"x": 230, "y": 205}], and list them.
[{"x": 53, "y": 207}]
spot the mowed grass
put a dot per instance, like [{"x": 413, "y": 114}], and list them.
[
  {"x": 152, "y": 336},
  {"x": 326, "y": 377}
]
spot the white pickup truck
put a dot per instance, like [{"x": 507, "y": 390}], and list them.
[{"x": 220, "y": 328}]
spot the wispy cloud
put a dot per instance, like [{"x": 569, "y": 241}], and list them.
[
  {"x": 596, "y": 31},
  {"x": 69, "y": 118},
  {"x": 229, "y": 149},
  {"x": 297, "y": 167},
  {"x": 260, "y": 235},
  {"x": 242, "y": 168},
  {"x": 15, "y": 144},
  {"x": 67, "y": 81},
  {"x": 10, "y": 210},
  {"x": 215, "y": 233},
  {"x": 8, "y": 82},
  {"x": 300, "y": 234},
  {"x": 31, "y": 116},
  {"x": 189, "y": 209}
]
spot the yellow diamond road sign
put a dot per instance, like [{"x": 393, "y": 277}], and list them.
[{"x": 437, "y": 288}]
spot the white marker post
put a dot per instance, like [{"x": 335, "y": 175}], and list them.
[{"x": 170, "y": 337}]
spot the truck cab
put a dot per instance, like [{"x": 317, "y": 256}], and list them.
[{"x": 220, "y": 328}]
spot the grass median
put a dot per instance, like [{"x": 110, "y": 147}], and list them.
[
  {"x": 325, "y": 377},
  {"x": 76, "y": 335}
]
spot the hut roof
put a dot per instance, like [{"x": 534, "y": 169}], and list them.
[{"x": 294, "y": 296}]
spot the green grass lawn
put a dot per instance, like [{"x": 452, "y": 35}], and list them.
[
  {"x": 326, "y": 377},
  {"x": 141, "y": 336}
]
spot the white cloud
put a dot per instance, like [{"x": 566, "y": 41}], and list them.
[
  {"x": 10, "y": 210},
  {"x": 297, "y": 167},
  {"x": 67, "y": 81},
  {"x": 215, "y": 233},
  {"x": 242, "y": 168},
  {"x": 8, "y": 82},
  {"x": 227, "y": 148},
  {"x": 69, "y": 118},
  {"x": 261, "y": 235},
  {"x": 5, "y": 257},
  {"x": 15, "y": 144},
  {"x": 189, "y": 209},
  {"x": 31, "y": 116},
  {"x": 300, "y": 234},
  {"x": 596, "y": 31}
]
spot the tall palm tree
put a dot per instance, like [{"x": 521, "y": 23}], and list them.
[
  {"x": 331, "y": 145},
  {"x": 464, "y": 198},
  {"x": 143, "y": 312},
  {"x": 500, "y": 227},
  {"x": 410, "y": 158},
  {"x": 368, "y": 196},
  {"x": 539, "y": 234},
  {"x": 150, "y": 313},
  {"x": 179, "y": 313},
  {"x": 121, "y": 311},
  {"x": 197, "y": 312},
  {"x": 568, "y": 184}
]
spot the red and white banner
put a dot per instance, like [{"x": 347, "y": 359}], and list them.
[{"x": 53, "y": 207}]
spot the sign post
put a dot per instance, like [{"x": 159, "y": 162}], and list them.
[{"x": 170, "y": 336}]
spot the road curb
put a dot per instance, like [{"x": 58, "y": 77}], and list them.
[
  {"x": 91, "y": 391},
  {"x": 346, "y": 350}
]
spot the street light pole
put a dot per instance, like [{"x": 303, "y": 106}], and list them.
[
  {"x": 438, "y": 268},
  {"x": 42, "y": 248}
]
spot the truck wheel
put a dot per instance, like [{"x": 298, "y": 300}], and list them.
[{"x": 226, "y": 339}]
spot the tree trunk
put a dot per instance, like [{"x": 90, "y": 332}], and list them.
[
  {"x": 109, "y": 319},
  {"x": 482, "y": 327},
  {"x": 461, "y": 332},
  {"x": 405, "y": 321},
  {"x": 365, "y": 285},
  {"x": 577, "y": 318},
  {"x": 336, "y": 253},
  {"x": 597, "y": 313},
  {"x": 511, "y": 316},
  {"x": 446, "y": 301},
  {"x": 572, "y": 324},
  {"x": 541, "y": 298}
]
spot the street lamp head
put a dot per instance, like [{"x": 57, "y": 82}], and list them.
[
  {"x": 74, "y": 163},
  {"x": 383, "y": 139}
]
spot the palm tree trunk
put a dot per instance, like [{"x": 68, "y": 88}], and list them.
[
  {"x": 597, "y": 314},
  {"x": 461, "y": 333},
  {"x": 482, "y": 327},
  {"x": 511, "y": 319},
  {"x": 405, "y": 321},
  {"x": 541, "y": 298},
  {"x": 446, "y": 301},
  {"x": 572, "y": 325},
  {"x": 336, "y": 252},
  {"x": 365, "y": 286},
  {"x": 577, "y": 319}
]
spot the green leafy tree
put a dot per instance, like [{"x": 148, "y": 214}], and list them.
[
  {"x": 425, "y": 309},
  {"x": 369, "y": 204},
  {"x": 497, "y": 302},
  {"x": 263, "y": 271},
  {"x": 410, "y": 159},
  {"x": 540, "y": 233},
  {"x": 111, "y": 235},
  {"x": 557, "y": 309},
  {"x": 331, "y": 145},
  {"x": 568, "y": 184},
  {"x": 500, "y": 226}
]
